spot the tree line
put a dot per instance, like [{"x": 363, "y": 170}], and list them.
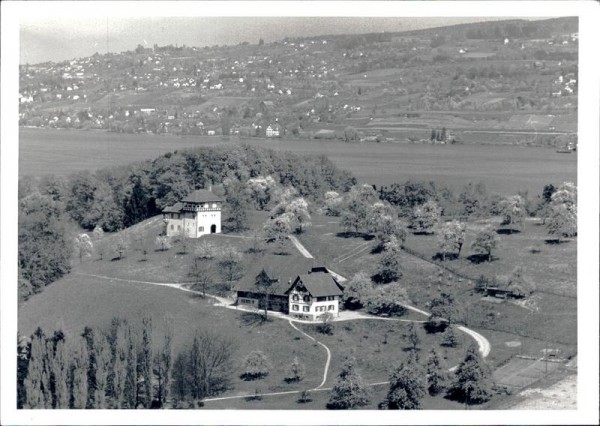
[{"x": 123, "y": 367}]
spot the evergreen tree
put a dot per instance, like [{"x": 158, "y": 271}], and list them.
[
  {"x": 407, "y": 387},
  {"x": 472, "y": 379},
  {"x": 436, "y": 376},
  {"x": 349, "y": 391}
]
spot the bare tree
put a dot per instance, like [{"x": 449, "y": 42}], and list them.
[
  {"x": 202, "y": 273},
  {"x": 209, "y": 364}
]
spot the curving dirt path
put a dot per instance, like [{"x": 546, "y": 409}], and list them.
[{"x": 326, "y": 349}]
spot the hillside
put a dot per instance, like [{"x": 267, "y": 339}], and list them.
[{"x": 466, "y": 80}]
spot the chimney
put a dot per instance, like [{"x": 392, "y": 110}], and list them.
[{"x": 210, "y": 187}]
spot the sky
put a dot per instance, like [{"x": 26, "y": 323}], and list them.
[{"x": 58, "y": 38}]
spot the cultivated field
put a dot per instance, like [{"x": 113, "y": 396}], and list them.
[{"x": 504, "y": 169}]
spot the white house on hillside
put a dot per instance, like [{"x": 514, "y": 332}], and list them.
[
  {"x": 313, "y": 294},
  {"x": 196, "y": 215}
]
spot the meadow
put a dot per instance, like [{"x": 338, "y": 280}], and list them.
[
  {"x": 549, "y": 316},
  {"x": 504, "y": 169},
  {"x": 82, "y": 299}
]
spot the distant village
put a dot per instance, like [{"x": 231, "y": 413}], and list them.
[{"x": 335, "y": 87}]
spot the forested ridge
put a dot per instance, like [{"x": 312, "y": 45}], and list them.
[{"x": 52, "y": 209}]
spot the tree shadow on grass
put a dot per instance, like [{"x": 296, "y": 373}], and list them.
[
  {"x": 350, "y": 234},
  {"x": 552, "y": 241},
  {"x": 377, "y": 249},
  {"x": 116, "y": 259},
  {"x": 422, "y": 233},
  {"x": 507, "y": 231},
  {"x": 449, "y": 256},
  {"x": 253, "y": 319},
  {"x": 479, "y": 258}
]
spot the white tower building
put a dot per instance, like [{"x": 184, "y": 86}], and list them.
[{"x": 196, "y": 215}]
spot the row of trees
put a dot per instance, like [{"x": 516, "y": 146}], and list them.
[{"x": 118, "y": 368}]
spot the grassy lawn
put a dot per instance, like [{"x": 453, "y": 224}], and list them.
[
  {"x": 365, "y": 340},
  {"x": 552, "y": 269},
  {"x": 74, "y": 302}
]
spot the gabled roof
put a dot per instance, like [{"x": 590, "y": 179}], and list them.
[
  {"x": 175, "y": 208},
  {"x": 319, "y": 283},
  {"x": 201, "y": 196},
  {"x": 284, "y": 269}
]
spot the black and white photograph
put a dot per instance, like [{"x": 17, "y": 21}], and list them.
[{"x": 276, "y": 212}]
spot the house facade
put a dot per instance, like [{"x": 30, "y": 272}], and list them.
[
  {"x": 313, "y": 294},
  {"x": 306, "y": 297},
  {"x": 197, "y": 214}
]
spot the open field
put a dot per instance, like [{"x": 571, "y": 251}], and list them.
[{"x": 504, "y": 169}]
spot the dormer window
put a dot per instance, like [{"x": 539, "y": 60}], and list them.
[{"x": 214, "y": 206}]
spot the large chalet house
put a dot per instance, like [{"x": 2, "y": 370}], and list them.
[
  {"x": 307, "y": 294},
  {"x": 197, "y": 214}
]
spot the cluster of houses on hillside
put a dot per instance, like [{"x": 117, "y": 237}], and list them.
[{"x": 299, "y": 289}]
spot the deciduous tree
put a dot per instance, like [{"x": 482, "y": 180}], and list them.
[
  {"x": 389, "y": 267},
  {"x": 451, "y": 237},
  {"x": 513, "y": 212},
  {"x": 256, "y": 366},
  {"x": 230, "y": 264},
  {"x": 277, "y": 230},
  {"x": 162, "y": 242},
  {"x": 80, "y": 365},
  {"x": 83, "y": 246},
  {"x": 425, "y": 217},
  {"x": 295, "y": 371},
  {"x": 486, "y": 240}
]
